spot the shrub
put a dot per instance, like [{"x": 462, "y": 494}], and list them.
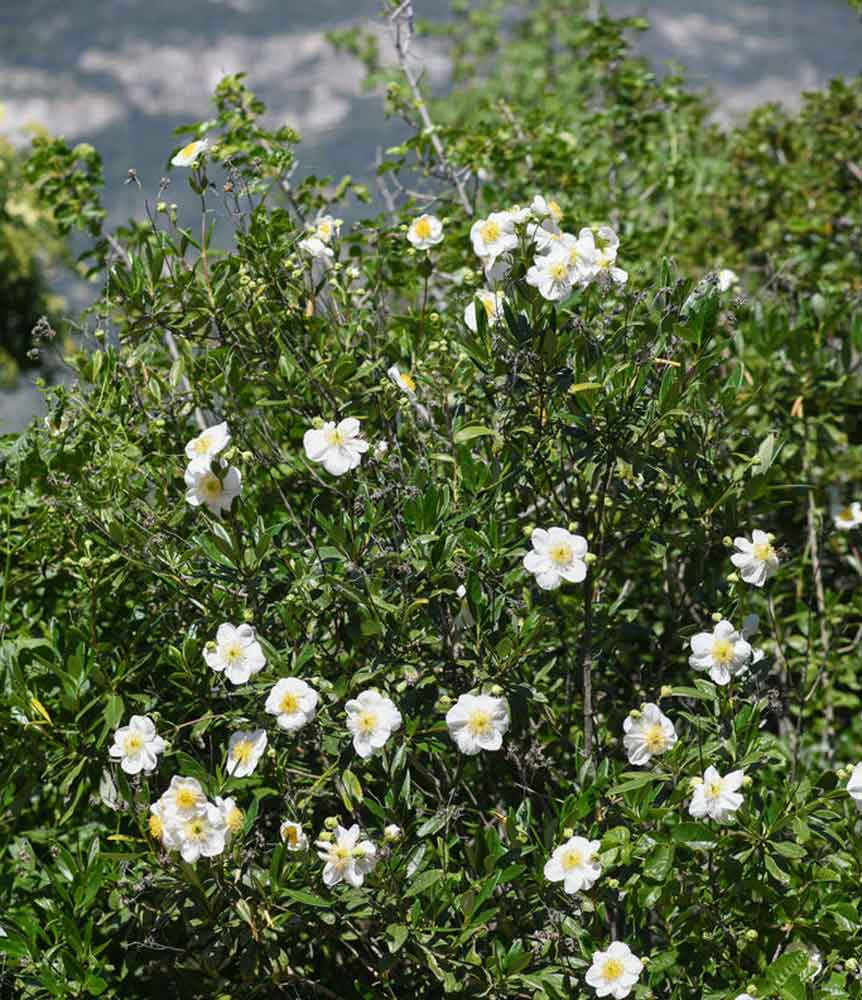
[{"x": 341, "y": 605}]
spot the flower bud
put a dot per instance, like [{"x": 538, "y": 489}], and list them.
[
  {"x": 210, "y": 647},
  {"x": 750, "y": 934},
  {"x": 331, "y": 822},
  {"x": 696, "y": 782},
  {"x": 732, "y": 578},
  {"x": 770, "y": 537},
  {"x": 392, "y": 833},
  {"x": 746, "y": 781},
  {"x": 636, "y": 713},
  {"x": 528, "y": 529},
  {"x": 317, "y": 423},
  {"x": 568, "y": 833},
  {"x": 613, "y": 883},
  {"x": 728, "y": 541},
  {"x": 248, "y": 615},
  {"x": 716, "y": 616},
  {"x": 851, "y": 964},
  {"x": 590, "y": 557},
  {"x": 666, "y": 691},
  {"x": 496, "y": 690},
  {"x": 326, "y": 837}
]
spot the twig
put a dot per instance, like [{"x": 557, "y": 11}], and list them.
[
  {"x": 816, "y": 567},
  {"x": 402, "y": 20}
]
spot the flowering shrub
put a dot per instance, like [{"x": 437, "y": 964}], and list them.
[{"x": 450, "y": 603}]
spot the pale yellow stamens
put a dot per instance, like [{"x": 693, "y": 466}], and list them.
[
  {"x": 289, "y": 703},
  {"x": 191, "y": 149},
  {"x": 187, "y": 798},
  {"x": 722, "y": 651},
  {"x": 763, "y": 551},
  {"x": 572, "y": 859},
  {"x": 366, "y": 723},
  {"x": 407, "y": 381},
  {"x": 202, "y": 444},
  {"x": 211, "y": 485},
  {"x": 133, "y": 742},
  {"x": 235, "y": 819},
  {"x": 156, "y": 826},
  {"x": 242, "y": 751},
  {"x": 558, "y": 271},
  {"x": 422, "y": 228},
  {"x": 490, "y": 232},
  {"x": 335, "y": 438},
  {"x": 195, "y": 828},
  {"x": 479, "y": 722},
  {"x": 654, "y": 738},
  {"x": 712, "y": 788},
  {"x": 560, "y": 553},
  {"x": 612, "y": 969}
]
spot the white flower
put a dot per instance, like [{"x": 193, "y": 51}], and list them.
[
  {"x": 727, "y": 279},
  {"x": 552, "y": 275},
  {"x": 237, "y": 652},
  {"x": 203, "y": 836},
  {"x": 381, "y": 448},
  {"x": 338, "y": 448},
  {"x": 847, "y": 517},
  {"x": 518, "y": 214},
  {"x": 244, "y": 750},
  {"x": 316, "y": 249},
  {"x": 545, "y": 209},
  {"x": 347, "y": 858},
  {"x": 647, "y": 734},
  {"x": 574, "y": 864},
  {"x": 425, "y": 232},
  {"x": 854, "y": 785},
  {"x": 392, "y": 832},
  {"x": 557, "y": 555},
  {"x": 492, "y": 302},
  {"x": 204, "y": 448},
  {"x": 745, "y": 996},
  {"x": 723, "y": 652},
  {"x": 183, "y": 799},
  {"x": 233, "y": 816},
  {"x": 717, "y": 797},
  {"x": 372, "y": 718},
  {"x": 293, "y": 702},
  {"x": 606, "y": 243},
  {"x": 137, "y": 746},
  {"x": 205, "y": 487},
  {"x": 403, "y": 380},
  {"x": 188, "y": 155},
  {"x": 493, "y": 236},
  {"x": 326, "y": 227},
  {"x": 756, "y": 560},
  {"x": 614, "y": 972},
  {"x": 478, "y": 722},
  {"x": 293, "y": 836}
]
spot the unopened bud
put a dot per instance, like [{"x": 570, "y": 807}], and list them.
[
  {"x": 728, "y": 541},
  {"x": 331, "y": 822},
  {"x": 746, "y": 781},
  {"x": 716, "y": 616},
  {"x": 732, "y": 578},
  {"x": 317, "y": 423},
  {"x": 635, "y": 713},
  {"x": 751, "y": 934},
  {"x": 326, "y": 837},
  {"x": 770, "y": 537},
  {"x": 568, "y": 833},
  {"x": 613, "y": 883},
  {"x": 392, "y": 833},
  {"x": 590, "y": 557},
  {"x": 248, "y": 615},
  {"x": 851, "y": 964},
  {"x": 666, "y": 691}
]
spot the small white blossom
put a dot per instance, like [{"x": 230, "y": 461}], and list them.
[
  {"x": 717, "y": 797},
  {"x": 574, "y": 864},
  {"x": 647, "y": 734},
  {"x": 293, "y": 836},
  {"x": 233, "y": 816},
  {"x": 183, "y": 799},
  {"x": 493, "y": 236},
  {"x": 403, "y": 380},
  {"x": 557, "y": 555},
  {"x": 854, "y": 785},
  {"x": 371, "y": 718},
  {"x": 206, "y": 487},
  {"x": 723, "y": 652},
  {"x": 317, "y": 249},
  {"x": 293, "y": 702},
  {"x": 492, "y": 302},
  {"x": 338, "y": 448},
  {"x": 756, "y": 560},
  {"x": 204, "y": 448},
  {"x": 348, "y": 859},
  {"x": 552, "y": 275},
  {"x": 425, "y": 232},
  {"x": 392, "y": 832},
  {"x": 847, "y": 516},
  {"x": 236, "y": 652},
  {"x": 478, "y": 722},
  {"x": 202, "y": 836},
  {"x": 727, "y": 279},
  {"x": 244, "y": 750},
  {"x": 614, "y": 972},
  {"x": 545, "y": 209},
  {"x": 187, "y": 156},
  {"x": 326, "y": 227},
  {"x": 137, "y": 746}
]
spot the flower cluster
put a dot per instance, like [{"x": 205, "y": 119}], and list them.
[
  {"x": 184, "y": 820},
  {"x": 215, "y": 484}
]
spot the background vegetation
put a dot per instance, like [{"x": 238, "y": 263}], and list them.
[{"x": 654, "y": 419}]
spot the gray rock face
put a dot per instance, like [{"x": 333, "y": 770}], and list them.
[{"x": 122, "y": 74}]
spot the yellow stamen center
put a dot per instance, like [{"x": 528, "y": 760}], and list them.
[
  {"x": 187, "y": 798},
  {"x": 202, "y": 444},
  {"x": 555, "y": 210},
  {"x": 289, "y": 703},
  {"x": 156, "y": 826},
  {"x": 560, "y": 553},
  {"x": 713, "y": 788},
  {"x": 211, "y": 485},
  {"x": 341, "y": 853},
  {"x": 291, "y": 835},
  {"x": 763, "y": 551},
  {"x": 195, "y": 829},
  {"x": 235, "y": 819},
  {"x": 422, "y": 228},
  {"x": 558, "y": 271},
  {"x": 612, "y": 969},
  {"x": 654, "y": 738},
  {"x": 335, "y": 438},
  {"x": 846, "y": 515},
  {"x": 324, "y": 230},
  {"x": 191, "y": 149},
  {"x": 490, "y": 232},
  {"x": 407, "y": 381},
  {"x": 133, "y": 743},
  {"x": 479, "y": 722},
  {"x": 722, "y": 650},
  {"x": 242, "y": 751},
  {"x": 572, "y": 859},
  {"x": 367, "y": 722},
  {"x": 574, "y": 256},
  {"x": 233, "y": 651}
]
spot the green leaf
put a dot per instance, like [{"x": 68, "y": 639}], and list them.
[
  {"x": 474, "y": 431},
  {"x": 301, "y": 896},
  {"x": 427, "y": 878}
]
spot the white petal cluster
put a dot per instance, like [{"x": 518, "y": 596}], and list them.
[
  {"x": 317, "y": 249},
  {"x": 244, "y": 751},
  {"x": 854, "y": 785},
  {"x": 723, "y": 652},
  {"x": 293, "y": 836},
  {"x": 727, "y": 279},
  {"x": 647, "y": 733},
  {"x": 574, "y": 864},
  {"x": 186, "y": 821},
  {"x": 292, "y": 702},
  {"x": 846, "y": 516},
  {"x": 188, "y": 155},
  {"x": 756, "y": 560},
  {"x": 557, "y": 555},
  {"x": 477, "y": 722},
  {"x": 371, "y": 719},
  {"x": 326, "y": 228},
  {"x": 337, "y": 447},
  {"x": 403, "y": 380},
  {"x": 236, "y": 653},
  {"x": 491, "y": 302},
  {"x": 233, "y": 816},
  {"x": 717, "y": 797},
  {"x": 565, "y": 262},
  {"x": 494, "y": 236},
  {"x": 209, "y": 483},
  {"x": 348, "y": 859},
  {"x": 425, "y": 232},
  {"x": 614, "y": 972},
  {"x": 137, "y": 746}
]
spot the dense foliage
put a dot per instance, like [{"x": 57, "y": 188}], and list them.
[{"x": 657, "y": 418}]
